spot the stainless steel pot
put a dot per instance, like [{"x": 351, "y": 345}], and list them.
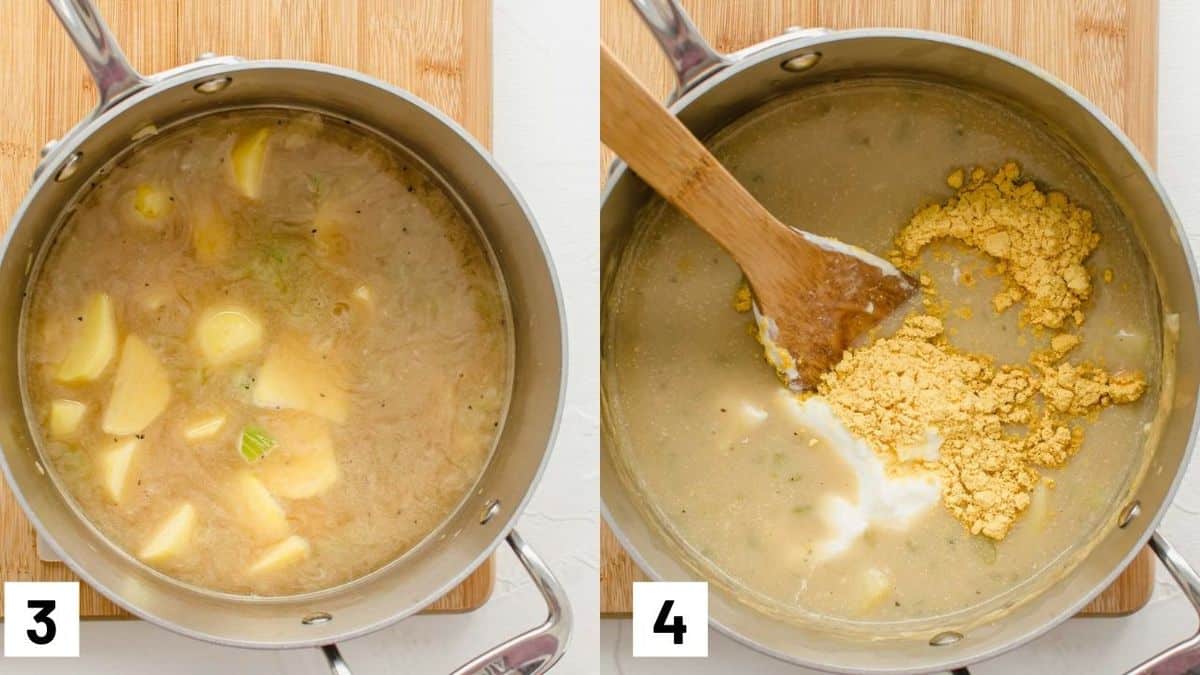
[
  {"x": 129, "y": 102},
  {"x": 715, "y": 89}
]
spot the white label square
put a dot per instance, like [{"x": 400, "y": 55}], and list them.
[
  {"x": 670, "y": 618},
  {"x": 41, "y": 618}
]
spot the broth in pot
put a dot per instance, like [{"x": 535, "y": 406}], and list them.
[
  {"x": 267, "y": 354},
  {"x": 809, "y": 505}
]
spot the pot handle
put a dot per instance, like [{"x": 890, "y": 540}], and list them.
[
  {"x": 537, "y": 650},
  {"x": 691, "y": 57},
  {"x": 1182, "y": 657},
  {"x": 114, "y": 77},
  {"x": 530, "y": 653},
  {"x": 333, "y": 656}
]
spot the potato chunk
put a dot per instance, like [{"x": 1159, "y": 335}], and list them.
[
  {"x": 248, "y": 158},
  {"x": 140, "y": 391},
  {"x": 172, "y": 537},
  {"x": 228, "y": 334},
  {"x": 154, "y": 298},
  {"x": 1038, "y": 513},
  {"x": 152, "y": 203},
  {"x": 95, "y": 344},
  {"x": 877, "y": 586},
  {"x": 65, "y": 416},
  {"x": 289, "y": 551},
  {"x": 256, "y": 509},
  {"x": 304, "y": 465},
  {"x": 114, "y": 467},
  {"x": 204, "y": 427},
  {"x": 295, "y": 377},
  {"x": 212, "y": 238},
  {"x": 329, "y": 233}
]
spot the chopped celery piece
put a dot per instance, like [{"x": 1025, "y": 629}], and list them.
[{"x": 255, "y": 443}]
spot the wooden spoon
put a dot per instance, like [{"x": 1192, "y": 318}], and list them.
[{"x": 813, "y": 295}]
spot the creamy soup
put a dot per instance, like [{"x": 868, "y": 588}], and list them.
[
  {"x": 740, "y": 472},
  {"x": 267, "y": 354}
]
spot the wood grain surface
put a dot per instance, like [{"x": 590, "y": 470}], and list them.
[
  {"x": 438, "y": 49},
  {"x": 1107, "y": 49}
]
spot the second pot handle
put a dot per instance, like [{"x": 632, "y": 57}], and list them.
[
  {"x": 114, "y": 77},
  {"x": 692, "y": 58},
  {"x": 333, "y": 656},
  {"x": 1182, "y": 657},
  {"x": 531, "y": 653},
  {"x": 535, "y": 651}
]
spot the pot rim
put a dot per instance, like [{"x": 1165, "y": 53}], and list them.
[
  {"x": 690, "y": 92},
  {"x": 208, "y": 68}
]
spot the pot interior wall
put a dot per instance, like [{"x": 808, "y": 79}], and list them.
[
  {"x": 754, "y": 80},
  {"x": 451, "y": 552}
]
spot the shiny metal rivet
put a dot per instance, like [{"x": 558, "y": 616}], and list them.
[
  {"x": 316, "y": 618},
  {"x": 801, "y": 63},
  {"x": 206, "y": 55},
  {"x": 1129, "y": 513},
  {"x": 68, "y": 167},
  {"x": 946, "y": 638},
  {"x": 490, "y": 510},
  {"x": 214, "y": 85},
  {"x": 48, "y": 147}
]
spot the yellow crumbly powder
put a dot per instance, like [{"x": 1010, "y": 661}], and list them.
[
  {"x": 995, "y": 425},
  {"x": 897, "y": 390},
  {"x": 743, "y": 299},
  {"x": 1040, "y": 239}
]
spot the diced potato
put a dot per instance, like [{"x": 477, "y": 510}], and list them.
[
  {"x": 204, "y": 427},
  {"x": 329, "y": 233},
  {"x": 152, "y": 203},
  {"x": 1037, "y": 514},
  {"x": 172, "y": 537},
  {"x": 287, "y": 552},
  {"x": 302, "y": 476},
  {"x": 212, "y": 238},
  {"x": 294, "y": 377},
  {"x": 156, "y": 297},
  {"x": 302, "y": 129},
  {"x": 248, "y": 159},
  {"x": 1131, "y": 345},
  {"x": 140, "y": 391},
  {"x": 95, "y": 344},
  {"x": 256, "y": 508},
  {"x": 65, "y": 416},
  {"x": 877, "y": 586},
  {"x": 228, "y": 334},
  {"x": 304, "y": 464},
  {"x": 114, "y": 467},
  {"x": 363, "y": 295}
]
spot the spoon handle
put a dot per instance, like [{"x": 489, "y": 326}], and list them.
[{"x": 665, "y": 154}]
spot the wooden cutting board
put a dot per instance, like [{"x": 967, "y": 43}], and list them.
[
  {"x": 1107, "y": 49},
  {"x": 438, "y": 49}
]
